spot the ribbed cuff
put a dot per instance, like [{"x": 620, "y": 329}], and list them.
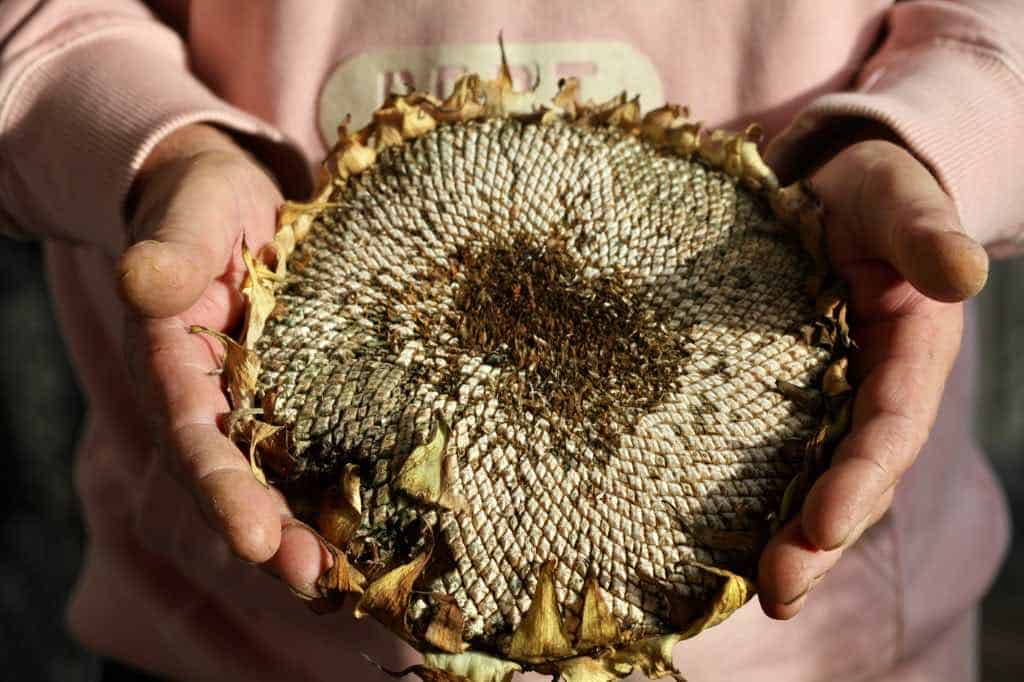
[
  {"x": 77, "y": 122},
  {"x": 958, "y": 108}
]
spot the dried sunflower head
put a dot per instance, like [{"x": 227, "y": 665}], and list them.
[{"x": 545, "y": 377}]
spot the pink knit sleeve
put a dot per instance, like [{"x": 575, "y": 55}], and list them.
[
  {"x": 949, "y": 81},
  {"x": 87, "y": 89}
]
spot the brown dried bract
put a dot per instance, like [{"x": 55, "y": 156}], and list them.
[{"x": 541, "y": 634}]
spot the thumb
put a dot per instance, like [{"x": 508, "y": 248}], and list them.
[
  {"x": 192, "y": 214},
  {"x": 883, "y": 204}
]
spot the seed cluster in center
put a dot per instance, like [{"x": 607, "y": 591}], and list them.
[{"x": 584, "y": 350}]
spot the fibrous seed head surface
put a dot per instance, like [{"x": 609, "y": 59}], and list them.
[{"x": 596, "y": 328}]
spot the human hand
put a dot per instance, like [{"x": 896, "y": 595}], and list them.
[
  {"x": 199, "y": 197},
  {"x": 893, "y": 235}
]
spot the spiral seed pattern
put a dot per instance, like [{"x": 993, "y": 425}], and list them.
[{"x": 368, "y": 350}]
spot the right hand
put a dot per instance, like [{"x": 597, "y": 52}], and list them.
[
  {"x": 199, "y": 198},
  {"x": 894, "y": 236}
]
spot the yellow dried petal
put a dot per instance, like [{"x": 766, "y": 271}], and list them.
[
  {"x": 241, "y": 368},
  {"x": 796, "y": 206},
  {"x": 356, "y": 158},
  {"x": 567, "y": 99},
  {"x": 415, "y": 120},
  {"x": 500, "y": 98},
  {"x": 609, "y": 105},
  {"x": 401, "y": 122},
  {"x": 423, "y": 99},
  {"x": 686, "y": 139},
  {"x": 473, "y": 666},
  {"x": 737, "y": 154},
  {"x": 387, "y": 134},
  {"x": 342, "y": 577},
  {"x": 464, "y": 102},
  {"x": 653, "y": 657},
  {"x": 260, "y": 432},
  {"x": 505, "y": 74},
  {"x": 791, "y": 497},
  {"x": 587, "y": 669},
  {"x": 805, "y": 397},
  {"x": 625, "y": 116},
  {"x": 549, "y": 116},
  {"x": 417, "y": 123},
  {"x": 753, "y": 170},
  {"x": 541, "y": 634},
  {"x": 843, "y": 327},
  {"x": 350, "y": 155},
  {"x": 713, "y": 148},
  {"x": 834, "y": 382},
  {"x": 734, "y": 593},
  {"x": 445, "y": 630},
  {"x": 257, "y": 288},
  {"x": 501, "y": 101},
  {"x": 658, "y": 122},
  {"x": 294, "y": 220},
  {"x": 341, "y": 509},
  {"x": 422, "y": 475},
  {"x": 387, "y": 598},
  {"x": 598, "y": 626},
  {"x": 828, "y": 302}
]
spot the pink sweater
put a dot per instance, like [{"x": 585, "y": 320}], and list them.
[{"x": 88, "y": 87}]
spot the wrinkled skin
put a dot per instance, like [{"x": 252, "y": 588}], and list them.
[
  {"x": 892, "y": 234},
  {"x": 199, "y": 197}
]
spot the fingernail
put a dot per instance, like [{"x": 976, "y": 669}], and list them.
[
  {"x": 845, "y": 537},
  {"x": 326, "y": 555},
  {"x": 796, "y": 605},
  {"x": 303, "y": 582},
  {"x": 301, "y": 594},
  {"x": 814, "y": 583},
  {"x": 797, "y": 598}
]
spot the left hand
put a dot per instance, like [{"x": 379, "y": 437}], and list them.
[
  {"x": 200, "y": 197},
  {"x": 893, "y": 235}
]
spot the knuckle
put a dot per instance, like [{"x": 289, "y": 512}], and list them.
[
  {"x": 185, "y": 457},
  {"x": 879, "y": 157},
  {"x": 898, "y": 442}
]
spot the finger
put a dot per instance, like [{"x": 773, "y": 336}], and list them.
[
  {"x": 881, "y": 508},
  {"x": 175, "y": 367},
  {"x": 161, "y": 279},
  {"x": 787, "y": 569},
  {"x": 881, "y": 293},
  {"x": 790, "y": 567},
  {"x": 191, "y": 224},
  {"x": 300, "y": 559},
  {"x": 230, "y": 497},
  {"x": 884, "y": 204},
  {"x": 907, "y": 361}
]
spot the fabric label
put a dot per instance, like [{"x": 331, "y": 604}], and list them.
[{"x": 359, "y": 84}]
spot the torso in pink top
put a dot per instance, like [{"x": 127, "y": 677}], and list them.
[{"x": 160, "y": 589}]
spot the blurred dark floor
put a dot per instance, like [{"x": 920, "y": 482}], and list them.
[
  {"x": 1000, "y": 427},
  {"x": 40, "y": 528},
  {"x": 41, "y": 534}
]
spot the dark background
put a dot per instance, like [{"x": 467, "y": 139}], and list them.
[{"x": 41, "y": 534}]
